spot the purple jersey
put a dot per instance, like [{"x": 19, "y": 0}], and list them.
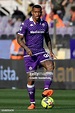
[{"x": 34, "y": 34}]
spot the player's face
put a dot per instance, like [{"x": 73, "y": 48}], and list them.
[{"x": 36, "y": 14}]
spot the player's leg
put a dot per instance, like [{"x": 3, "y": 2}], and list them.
[
  {"x": 30, "y": 66},
  {"x": 47, "y": 62},
  {"x": 31, "y": 92},
  {"x": 49, "y": 66}
]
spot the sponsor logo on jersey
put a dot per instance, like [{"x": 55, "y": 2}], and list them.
[{"x": 34, "y": 32}]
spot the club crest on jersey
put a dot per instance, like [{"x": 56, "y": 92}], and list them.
[
  {"x": 43, "y": 24},
  {"x": 30, "y": 68}
]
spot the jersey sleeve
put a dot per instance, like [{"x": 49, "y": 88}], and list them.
[
  {"x": 47, "y": 28},
  {"x": 23, "y": 29}
]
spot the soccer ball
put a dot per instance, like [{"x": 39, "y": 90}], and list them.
[{"x": 47, "y": 102}]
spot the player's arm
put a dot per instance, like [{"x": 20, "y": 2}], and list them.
[
  {"x": 48, "y": 43},
  {"x": 22, "y": 43}
]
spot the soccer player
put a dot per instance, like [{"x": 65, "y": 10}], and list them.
[{"x": 34, "y": 30}]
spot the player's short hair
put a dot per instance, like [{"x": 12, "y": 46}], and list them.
[{"x": 36, "y": 6}]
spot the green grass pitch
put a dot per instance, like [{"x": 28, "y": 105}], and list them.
[{"x": 17, "y": 101}]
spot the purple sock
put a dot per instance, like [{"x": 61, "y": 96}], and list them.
[
  {"x": 31, "y": 91},
  {"x": 48, "y": 82}
]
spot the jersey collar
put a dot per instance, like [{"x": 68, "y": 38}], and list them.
[{"x": 31, "y": 19}]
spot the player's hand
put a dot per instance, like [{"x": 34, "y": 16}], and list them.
[
  {"x": 53, "y": 55},
  {"x": 29, "y": 52}
]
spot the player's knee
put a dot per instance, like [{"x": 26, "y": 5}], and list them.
[
  {"x": 30, "y": 79},
  {"x": 30, "y": 82},
  {"x": 50, "y": 67}
]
